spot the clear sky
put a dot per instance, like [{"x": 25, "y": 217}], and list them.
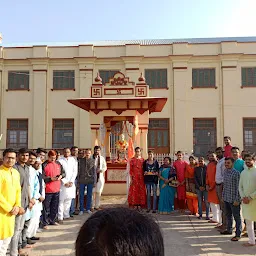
[{"x": 36, "y": 21}]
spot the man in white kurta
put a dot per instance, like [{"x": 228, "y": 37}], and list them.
[
  {"x": 247, "y": 190},
  {"x": 68, "y": 188},
  {"x": 101, "y": 167}
]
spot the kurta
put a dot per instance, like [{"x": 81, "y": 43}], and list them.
[
  {"x": 137, "y": 190},
  {"x": 247, "y": 188},
  {"x": 70, "y": 167},
  {"x": 10, "y": 196},
  {"x": 210, "y": 181},
  {"x": 180, "y": 167},
  {"x": 101, "y": 181}
]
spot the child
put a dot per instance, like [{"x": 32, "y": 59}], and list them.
[{"x": 247, "y": 190}]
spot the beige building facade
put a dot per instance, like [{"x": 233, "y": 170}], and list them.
[{"x": 210, "y": 85}]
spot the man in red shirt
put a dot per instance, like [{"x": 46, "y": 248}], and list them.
[
  {"x": 53, "y": 172},
  {"x": 228, "y": 147}
]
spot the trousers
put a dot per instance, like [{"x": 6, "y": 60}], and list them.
[
  {"x": 51, "y": 205},
  {"x": 15, "y": 240},
  {"x": 88, "y": 197},
  {"x": 64, "y": 209},
  {"x": 154, "y": 188},
  {"x": 96, "y": 200},
  {"x": 250, "y": 231},
  {"x": 219, "y": 189},
  {"x": 33, "y": 224},
  {"x": 4, "y": 246},
  {"x": 203, "y": 195},
  {"x": 216, "y": 212}
]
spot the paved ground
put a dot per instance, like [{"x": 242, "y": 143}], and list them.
[{"x": 183, "y": 235}]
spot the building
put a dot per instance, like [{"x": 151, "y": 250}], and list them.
[{"x": 210, "y": 85}]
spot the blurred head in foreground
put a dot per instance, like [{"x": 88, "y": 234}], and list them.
[{"x": 119, "y": 232}]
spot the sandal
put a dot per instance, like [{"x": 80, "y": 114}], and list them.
[
  {"x": 235, "y": 238},
  {"x": 248, "y": 244}
]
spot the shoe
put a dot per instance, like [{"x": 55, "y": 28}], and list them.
[
  {"x": 235, "y": 238},
  {"x": 35, "y": 238},
  {"x": 80, "y": 213},
  {"x": 148, "y": 211},
  {"x": 225, "y": 232},
  {"x": 29, "y": 241},
  {"x": 60, "y": 222},
  {"x": 89, "y": 212},
  {"x": 207, "y": 218},
  {"x": 55, "y": 224},
  {"x": 200, "y": 217},
  {"x": 153, "y": 211}
]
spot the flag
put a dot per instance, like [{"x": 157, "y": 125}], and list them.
[{"x": 130, "y": 148}]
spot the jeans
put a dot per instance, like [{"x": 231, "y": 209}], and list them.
[
  {"x": 88, "y": 198},
  {"x": 203, "y": 195},
  {"x": 51, "y": 204},
  {"x": 16, "y": 239},
  {"x": 233, "y": 211},
  {"x": 219, "y": 189},
  {"x": 154, "y": 188}
]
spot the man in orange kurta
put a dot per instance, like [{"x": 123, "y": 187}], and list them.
[{"x": 211, "y": 187}]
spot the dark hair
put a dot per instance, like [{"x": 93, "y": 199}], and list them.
[
  {"x": 253, "y": 156},
  {"x": 137, "y": 148},
  {"x": 57, "y": 152},
  {"x": 227, "y": 137},
  {"x": 8, "y": 150},
  {"x": 219, "y": 148},
  {"x": 106, "y": 233},
  {"x": 179, "y": 152},
  {"x": 41, "y": 150},
  {"x": 230, "y": 158},
  {"x": 74, "y": 147},
  {"x": 66, "y": 148},
  {"x": 32, "y": 153},
  {"x": 167, "y": 157},
  {"x": 201, "y": 158},
  {"x": 97, "y": 147},
  {"x": 150, "y": 152},
  {"x": 192, "y": 157},
  {"x": 23, "y": 151},
  {"x": 235, "y": 148}
]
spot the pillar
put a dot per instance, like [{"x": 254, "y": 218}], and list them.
[
  {"x": 40, "y": 109},
  {"x": 3, "y": 139},
  {"x": 144, "y": 141},
  {"x": 107, "y": 145}
]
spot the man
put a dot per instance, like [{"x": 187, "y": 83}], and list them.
[
  {"x": 80, "y": 153},
  {"x": 72, "y": 212},
  {"x": 41, "y": 153},
  {"x": 211, "y": 188},
  {"x": 86, "y": 178},
  {"x": 200, "y": 182},
  {"x": 10, "y": 199},
  {"x": 232, "y": 199},
  {"x": 120, "y": 231},
  {"x": 19, "y": 240},
  {"x": 247, "y": 190},
  {"x": 220, "y": 169},
  {"x": 239, "y": 163},
  {"x": 228, "y": 147},
  {"x": 53, "y": 172},
  {"x": 101, "y": 167},
  {"x": 34, "y": 212},
  {"x": 68, "y": 188}
]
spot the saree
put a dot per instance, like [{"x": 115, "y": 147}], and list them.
[{"x": 167, "y": 192}]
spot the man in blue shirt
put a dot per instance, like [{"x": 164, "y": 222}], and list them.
[{"x": 239, "y": 162}]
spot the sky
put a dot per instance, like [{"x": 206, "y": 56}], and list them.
[{"x": 39, "y": 21}]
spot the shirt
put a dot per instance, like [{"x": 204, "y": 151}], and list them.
[
  {"x": 239, "y": 165},
  {"x": 10, "y": 196},
  {"x": 230, "y": 192},
  {"x": 220, "y": 168},
  {"x": 151, "y": 168},
  {"x": 227, "y": 150}
]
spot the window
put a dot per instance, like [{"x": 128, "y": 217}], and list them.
[
  {"x": 158, "y": 135},
  {"x": 250, "y": 134},
  {"x": 204, "y": 136},
  {"x": 62, "y": 133},
  {"x": 17, "y": 133},
  {"x": 156, "y": 78},
  {"x": 107, "y": 74},
  {"x": 249, "y": 76},
  {"x": 203, "y": 77},
  {"x": 63, "y": 80},
  {"x": 18, "y": 80}
]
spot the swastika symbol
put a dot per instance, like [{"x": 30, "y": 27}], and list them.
[
  {"x": 141, "y": 91},
  {"x": 96, "y": 92}
]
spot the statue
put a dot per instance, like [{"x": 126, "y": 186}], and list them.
[{"x": 121, "y": 146}]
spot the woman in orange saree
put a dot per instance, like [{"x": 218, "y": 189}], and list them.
[
  {"x": 190, "y": 186},
  {"x": 137, "y": 190}
]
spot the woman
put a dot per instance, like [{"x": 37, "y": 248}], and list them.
[
  {"x": 137, "y": 191},
  {"x": 167, "y": 190},
  {"x": 180, "y": 166},
  {"x": 151, "y": 169},
  {"x": 190, "y": 186}
]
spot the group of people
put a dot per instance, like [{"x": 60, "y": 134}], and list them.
[
  {"x": 39, "y": 188},
  {"x": 224, "y": 186}
]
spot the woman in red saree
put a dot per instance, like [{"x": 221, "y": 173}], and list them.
[{"x": 137, "y": 190}]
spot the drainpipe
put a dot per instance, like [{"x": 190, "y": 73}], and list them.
[
  {"x": 173, "y": 112},
  {"x": 222, "y": 132},
  {"x": 46, "y": 107}
]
